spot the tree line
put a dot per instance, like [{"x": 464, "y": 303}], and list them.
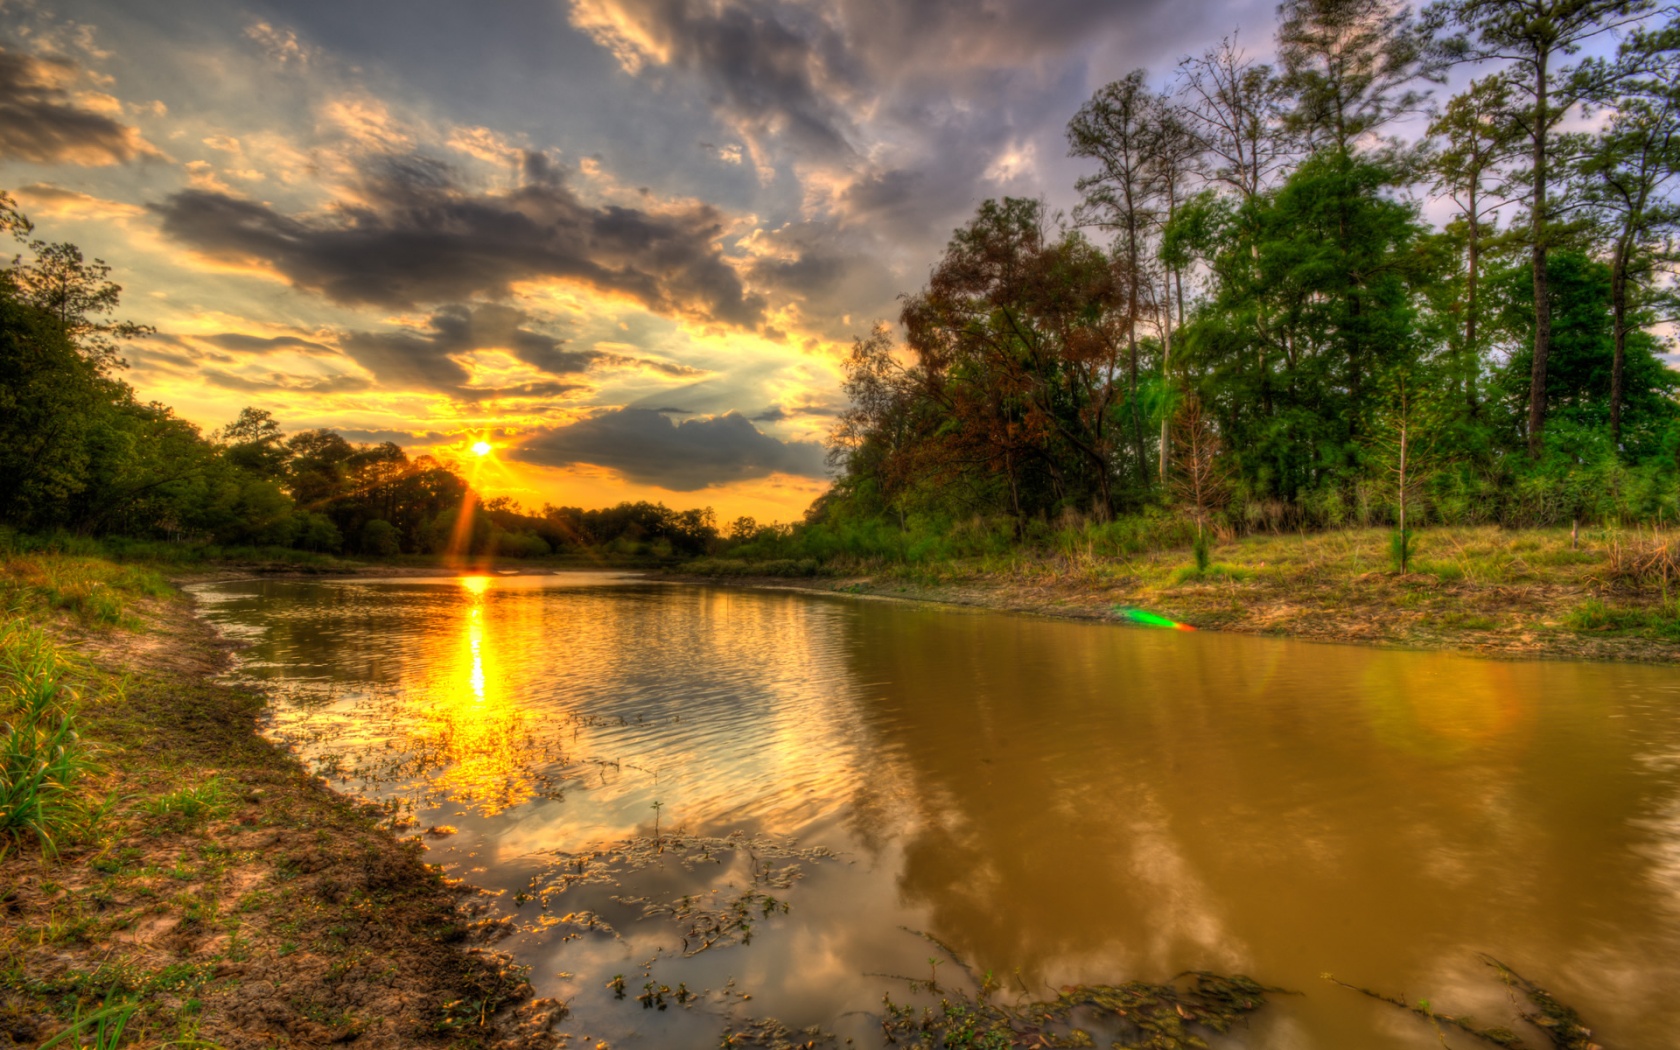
[
  {"x": 80, "y": 453},
  {"x": 1248, "y": 315}
]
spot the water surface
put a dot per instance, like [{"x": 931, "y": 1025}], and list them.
[{"x": 1059, "y": 802}]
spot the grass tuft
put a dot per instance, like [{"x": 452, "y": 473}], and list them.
[
  {"x": 41, "y": 753},
  {"x": 193, "y": 803}
]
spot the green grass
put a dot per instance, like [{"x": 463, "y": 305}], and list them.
[
  {"x": 96, "y": 592},
  {"x": 1211, "y": 573},
  {"x": 42, "y": 755},
  {"x": 192, "y": 804},
  {"x": 1599, "y": 616}
]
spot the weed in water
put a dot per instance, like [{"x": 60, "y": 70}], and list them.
[
  {"x": 1562, "y": 1025},
  {"x": 1146, "y": 1016}
]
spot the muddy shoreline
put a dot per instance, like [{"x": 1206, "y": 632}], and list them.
[
  {"x": 1520, "y": 621},
  {"x": 234, "y": 898},
  {"x": 1496, "y": 623}
]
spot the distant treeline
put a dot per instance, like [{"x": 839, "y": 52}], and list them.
[
  {"x": 81, "y": 456},
  {"x": 1248, "y": 322}
]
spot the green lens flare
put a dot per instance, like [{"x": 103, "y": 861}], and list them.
[{"x": 1145, "y": 618}]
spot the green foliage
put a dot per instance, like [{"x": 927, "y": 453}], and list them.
[
  {"x": 1402, "y": 547},
  {"x": 1321, "y": 292},
  {"x": 41, "y": 754},
  {"x": 1596, "y": 615}
]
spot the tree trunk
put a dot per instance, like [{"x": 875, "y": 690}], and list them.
[
  {"x": 1472, "y": 357},
  {"x": 1135, "y": 253},
  {"x": 1166, "y": 359},
  {"x": 1542, "y": 286},
  {"x": 1618, "y": 314}
]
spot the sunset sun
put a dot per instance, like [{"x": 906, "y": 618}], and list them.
[{"x": 481, "y": 448}]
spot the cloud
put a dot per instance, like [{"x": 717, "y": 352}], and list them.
[
  {"x": 832, "y": 273},
  {"x": 428, "y": 358},
  {"x": 649, "y": 448},
  {"x": 485, "y": 145},
  {"x": 277, "y": 382},
  {"x": 281, "y": 45},
  {"x": 415, "y": 237},
  {"x": 257, "y": 344},
  {"x": 42, "y": 122},
  {"x": 779, "y": 72},
  {"x": 41, "y": 199},
  {"x": 395, "y": 437}
]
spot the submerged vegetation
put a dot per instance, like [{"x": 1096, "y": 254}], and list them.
[
  {"x": 1558, "y": 1021},
  {"x": 1137, "y": 1015}
]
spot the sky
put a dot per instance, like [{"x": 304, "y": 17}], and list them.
[{"x": 627, "y": 242}]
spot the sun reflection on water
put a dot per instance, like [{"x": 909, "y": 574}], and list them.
[{"x": 473, "y": 728}]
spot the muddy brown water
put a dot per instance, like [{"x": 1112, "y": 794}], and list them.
[{"x": 1059, "y": 802}]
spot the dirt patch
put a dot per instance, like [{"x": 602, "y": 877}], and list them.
[{"x": 228, "y": 897}]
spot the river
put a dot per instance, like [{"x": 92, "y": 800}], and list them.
[{"x": 1057, "y": 802}]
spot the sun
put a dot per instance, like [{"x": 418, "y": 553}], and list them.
[{"x": 481, "y": 448}]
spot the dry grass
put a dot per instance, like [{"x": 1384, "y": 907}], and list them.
[{"x": 1529, "y": 592}]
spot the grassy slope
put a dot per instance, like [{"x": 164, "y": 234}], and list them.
[
  {"x": 1486, "y": 590},
  {"x": 232, "y": 897}
]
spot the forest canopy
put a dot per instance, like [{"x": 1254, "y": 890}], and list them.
[{"x": 1248, "y": 318}]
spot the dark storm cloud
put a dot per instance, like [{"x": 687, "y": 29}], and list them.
[
  {"x": 426, "y": 358},
  {"x": 930, "y": 94},
  {"x": 417, "y": 237},
  {"x": 831, "y": 272},
  {"x": 780, "y": 413},
  {"x": 461, "y": 329},
  {"x": 648, "y": 447},
  {"x": 43, "y": 123},
  {"x": 774, "y": 69}
]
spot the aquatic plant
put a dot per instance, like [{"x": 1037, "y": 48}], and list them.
[
  {"x": 723, "y": 915},
  {"x": 767, "y": 1033},
  {"x": 1560, "y": 1023},
  {"x": 1141, "y": 1015}
]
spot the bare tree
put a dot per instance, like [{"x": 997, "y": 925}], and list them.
[
  {"x": 1199, "y": 481},
  {"x": 1236, "y": 108}
]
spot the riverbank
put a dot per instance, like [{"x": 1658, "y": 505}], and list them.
[
  {"x": 190, "y": 881},
  {"x": 1533, "y": 593}
]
